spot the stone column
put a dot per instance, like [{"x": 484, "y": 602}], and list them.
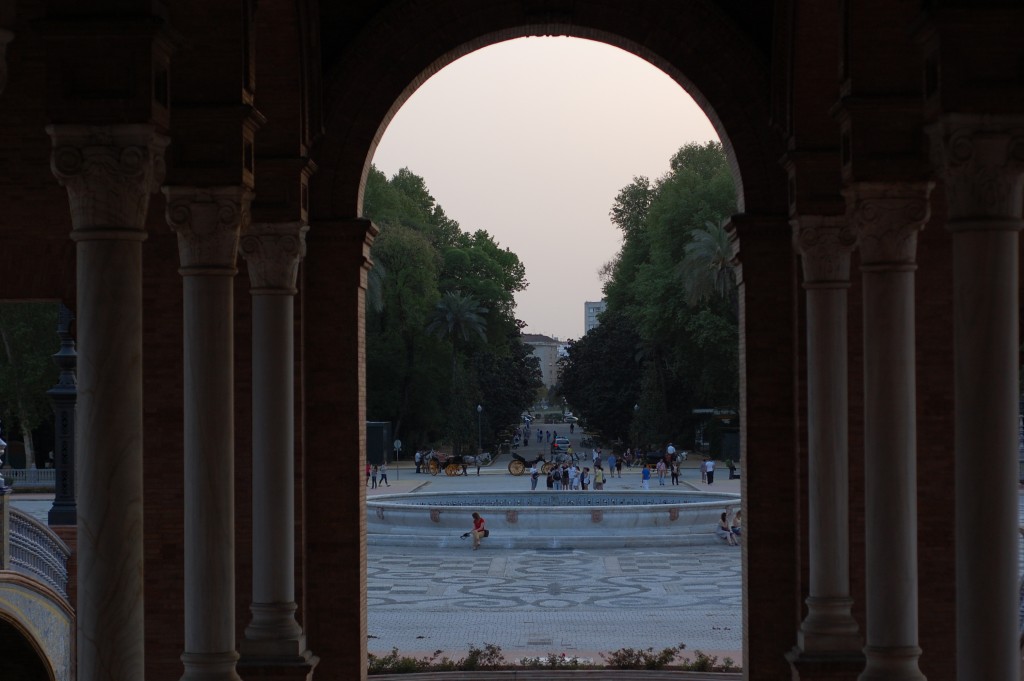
[
  {"x": 63, "y": 396},
  {"x": 208, "y": 222},
  {"x": 825, "y": 244},
  {"x": 981, "y": 159},
  {"x": 887, "y": 217},
  {"x": 109, "y": 173},
  {"x": 273, "y": 637}
]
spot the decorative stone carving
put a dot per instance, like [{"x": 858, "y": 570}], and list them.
[
  {"x": 824, "y": 243},
  {"x": 109, "y": 172},
  {"x": 982, "y": 160},
  {"x": 208, "y": 222},
  {"x": 887, "y": 216},
  {"x": 5, "y": 38},
  {"x": 273, "y": 251}
]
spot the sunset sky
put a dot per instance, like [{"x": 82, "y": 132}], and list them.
[{"x": 531, "y": 140}]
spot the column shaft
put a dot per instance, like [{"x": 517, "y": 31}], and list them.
[
  {"x": 987, "y": 393},
  {"x": 109, "y": 443},
  {"x": 209, "y": 478}
]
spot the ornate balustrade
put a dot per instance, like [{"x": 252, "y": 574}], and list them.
[{"x": 35, "y": 551}]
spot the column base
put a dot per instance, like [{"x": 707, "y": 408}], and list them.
[
  {"x": 825, "y": 666},
  {"x": 279, "y": 669},
  {"x": 892, "y": 664},
  {"x": 210, "y": 666}
]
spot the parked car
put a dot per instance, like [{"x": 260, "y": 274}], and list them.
[
  {"x": 569, "y": 418},
  {"x": 559, "y": 445}
]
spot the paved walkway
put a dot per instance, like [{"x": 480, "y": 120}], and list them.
[{"x": 535, "y": 602}]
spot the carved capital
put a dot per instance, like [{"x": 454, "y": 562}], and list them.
[
  {"x": 208, "y": 221},
  {"x": 886, "y": 216},
  {"x": 273, "y": 251},
  {"x": 109, "y": 172},
  {"x": 5, "y": 38},
  {"x": 824, "y": 243},
  {"x": 981, "y": 158}
]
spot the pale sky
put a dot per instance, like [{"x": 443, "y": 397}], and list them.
[{"x": 531, "y": 140}]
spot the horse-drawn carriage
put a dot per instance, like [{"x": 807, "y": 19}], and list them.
[
  {"x": 453, "y": 464},
  {"x": 518, "y": 465}
]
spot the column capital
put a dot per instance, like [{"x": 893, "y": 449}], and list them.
[
  {"x": 824, "y": 243},
  {"x": 208, "y": 221},
  {"x": 109, "y": 172},
  {"x": 886, "y": 216},
  {"x": 272, "y": 251},
  {"x": 981, "y": 158}
]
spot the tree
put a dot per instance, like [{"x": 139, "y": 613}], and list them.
[{"x": 28, "y": 341}]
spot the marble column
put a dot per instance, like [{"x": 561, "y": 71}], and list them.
[
  {"x": 272, "y": 252},
  {"x": 887, "y": 218},
  {"x": 208, "y": 222},
  {"x": 825, "y": 244},
  {"x": 109, "y": 173},
  {"x": 981, "y": 159}
]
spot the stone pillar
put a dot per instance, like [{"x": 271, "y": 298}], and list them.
[
  {"x": 829, "y": 629},
  {"x": 981, "y": 159},
  {"x": 273, "y": 637},
  {"x": 333, "y": 295},
  {"x": 887, "y": 217},
  {"x": 109, "y": 173},
  {"x": 63, "y": 396},
  {"x": 208, "y": 222}
]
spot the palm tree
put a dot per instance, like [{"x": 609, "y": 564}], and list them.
[
  {"x": 707, "y": 266},
  {"x": 456, "y": 317}
]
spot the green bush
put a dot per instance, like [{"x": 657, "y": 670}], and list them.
[{"x": 628, "y": 658}]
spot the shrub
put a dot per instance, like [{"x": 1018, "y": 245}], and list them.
[{"x": 628, "y": 658}]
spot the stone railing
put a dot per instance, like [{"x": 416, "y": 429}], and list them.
[
  {"x": 30, "y": 477},
  {"x": 35, "y": 551}
]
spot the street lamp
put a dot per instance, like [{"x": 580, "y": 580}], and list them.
[{"x": 479, "y": 431}]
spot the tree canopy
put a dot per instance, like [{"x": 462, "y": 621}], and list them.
[
  {"x": 669, "y": 338},
  {"x": 442, "y": 336}
]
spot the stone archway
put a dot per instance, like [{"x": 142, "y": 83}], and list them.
[
  {"x": 37, "y": 630},
  {"x": 380, "y": 64}
]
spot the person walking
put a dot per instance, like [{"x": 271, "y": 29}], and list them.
[
  {"x": 367, "y": 474},
  {"x": 598, "y": 477},
  {"x": 704, "y": 470},
  {"x": 383, "y": 471},
  {"x": 551, "y": 481},
  {"x": 373, "y": 477},
  {"x": 565, "y": 477},
  {"x": 585, "y": 479},
  {"x": 618, "y": 467},
  {"x": 479, "y": 530},
  {"x": 611, "y": 464},
  {"x": 675, "y": 472},
  {"x": 534, "y": 476},
  {"x": 418, "y": 458},
  {"x": 709, "y": 470},
  {"x": 661, "y": 468},
  {"x": 645, "y": 477}
]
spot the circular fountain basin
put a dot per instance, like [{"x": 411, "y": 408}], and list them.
[{"x": 557, "y": 520}]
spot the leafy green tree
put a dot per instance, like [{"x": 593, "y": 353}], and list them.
[
  {"x": 28, "y": 340},
  {"x": 600, "y": 376}
]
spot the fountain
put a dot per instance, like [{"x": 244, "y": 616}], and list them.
[{"x": 555, "y": 520}]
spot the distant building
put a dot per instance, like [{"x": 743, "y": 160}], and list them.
[
  {"x": 547, "y": 350},
  {"x": 591, "y": 309}
]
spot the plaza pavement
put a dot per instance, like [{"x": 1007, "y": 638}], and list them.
[{"x": 535, "y": 602}]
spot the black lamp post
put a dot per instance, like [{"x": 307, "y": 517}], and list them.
[
  {"x": 479, "y": 430},
  {"x": 63, "y": 396}
]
